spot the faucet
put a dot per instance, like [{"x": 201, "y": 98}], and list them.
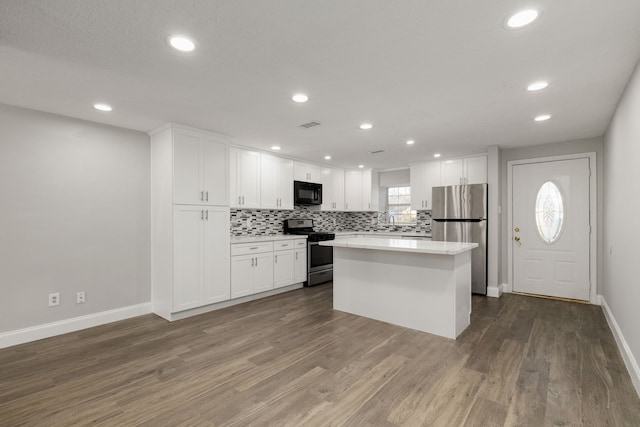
[{"x": 393, "y": 220}]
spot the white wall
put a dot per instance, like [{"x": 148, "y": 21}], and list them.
[
  {"x": 621, "y": 230},
  {"x": 74, "y": 217},
  {"x": 594, "y": 145}
]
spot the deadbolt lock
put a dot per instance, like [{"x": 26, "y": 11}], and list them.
[{"x": 516, "y": 229}]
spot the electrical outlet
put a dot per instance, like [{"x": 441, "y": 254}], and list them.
[
  {"x": 80, "y": 298},
  {"x": 54, "y": 299}
]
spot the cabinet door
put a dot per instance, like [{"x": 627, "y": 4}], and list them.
[
  {"x": 283, "y": 268},
  {"x": 263, "y": 272},
  {"x": 418, "y": 180},
  {"x": 186, "y": 169},
  {"x": 475, "y": 170},
  {"x": 327, "y": 189},
  {"x": 452, "y": 172},
  {"x": 215, "y": 172},
  {"x": 268, "y": 182},
  {"x": 187, "y": 255},
  {"x": 248, "y": 179},
  {"x": 431, "y": 179},
  {"x": 353, "y": 190},
  {"x": 242, "y": 275},
  {"x": 300, "y": 265},
  {"x": 216, "y": 249},
  {"x": 337, "y": 189},
  {"x": 369, "y": 190},
  {"x": 284, "y": 183}
]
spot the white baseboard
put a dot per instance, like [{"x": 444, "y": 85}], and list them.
[
  {"x": 217, "y": 306},
  {"x": 494, "y": 291},
  {"x": 629, "y": 359},
  {"x": 21, "y": 336},
  {"x": 506, "y": 288}
]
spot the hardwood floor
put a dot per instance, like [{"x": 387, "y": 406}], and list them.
[{"x": 290, "y": 360}]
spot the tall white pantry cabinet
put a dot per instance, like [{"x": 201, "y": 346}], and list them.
[{"x": 190, "y": 248}]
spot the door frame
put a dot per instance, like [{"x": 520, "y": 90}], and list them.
[{"x": 593, "y": 217}]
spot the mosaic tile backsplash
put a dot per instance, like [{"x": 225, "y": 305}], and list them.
[{"x": 260, "y": 222}]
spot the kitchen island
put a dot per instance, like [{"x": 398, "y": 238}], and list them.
[{"x": 417, "y": 284}]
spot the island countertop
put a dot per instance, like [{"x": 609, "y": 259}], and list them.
[{"x": 402, "y": 245}]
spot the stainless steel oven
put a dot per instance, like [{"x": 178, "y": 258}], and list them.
[
  {"x": 319, "y": 263},
  {"x": 319, "y": 258}
]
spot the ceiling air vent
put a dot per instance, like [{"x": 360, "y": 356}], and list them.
[
  {"x": 310, "y": 125},
  {"x": 376, "y": 152}
]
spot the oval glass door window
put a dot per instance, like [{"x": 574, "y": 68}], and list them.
[{"x": 549, "y": 212}]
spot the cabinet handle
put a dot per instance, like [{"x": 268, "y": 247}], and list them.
[
  {"x": 276, "y": 259},
  {"x": 202, "y": 214},
  {"x": 202, "y": 195},
  {"x": 252, "y": 259},
  {"x": 243, "y": 200},
  {"x": 207, "y": 214},
  {"x": 239, "y": 201},
  {"x": 283, "y": 245},
  {"x": 256, "y": 261},
  {"x": 207, "y": 196},
  {"x": 253, "y": 249},
  {"x": 296, "y": 255}
]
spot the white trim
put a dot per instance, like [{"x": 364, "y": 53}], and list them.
[
  {"x": 217, "y": 306},
  {"x": 494, "y": 291},
  {"x": 593, "y": 207},
  {"x": 506, "y": 288},
  {"x": 33, "y": 333},
  {"x": 627, "y": 355}
]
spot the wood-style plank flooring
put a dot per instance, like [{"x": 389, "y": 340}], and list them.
[{"x": 290, "y": 360}]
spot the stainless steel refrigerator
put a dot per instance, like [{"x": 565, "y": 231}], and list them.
[{"x": 459, "y": 214}]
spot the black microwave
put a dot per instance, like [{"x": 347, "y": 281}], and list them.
[{"x": 307, "y": 193}]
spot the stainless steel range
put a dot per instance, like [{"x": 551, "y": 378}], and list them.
[{"x": 319, "y": 258}]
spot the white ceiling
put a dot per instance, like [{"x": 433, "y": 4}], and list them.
[{"x": 444, "y": 73}]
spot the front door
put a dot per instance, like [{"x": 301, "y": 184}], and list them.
[{"x": 550, "y": 234}]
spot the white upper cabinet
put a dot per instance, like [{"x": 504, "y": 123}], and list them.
[
  {"x": 370, "y": 189},
  {"x": 353, "y": 190},
  {"x": 276, "y": 182},
  {"x": 332, "y": 189},
  {"x": 475, "y": 170},
  {"x": 200, "y": 171},
  {"x": 471, "y": 170},
  {"x": 424, "y": 176},
  {"x": 245, "y": 178},
  {"x": 307, "y": 172},
  {"x": 361, "y": 190}
]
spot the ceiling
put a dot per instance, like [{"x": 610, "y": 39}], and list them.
[{"x": 446, "y": 74}]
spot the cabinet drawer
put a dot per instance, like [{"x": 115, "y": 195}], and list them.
[
  {"x": 281, "y": 245},
  {"x": 251, "y": 248},
  {"x": 300, "y": 243}
]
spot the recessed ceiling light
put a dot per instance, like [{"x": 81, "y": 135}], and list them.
[
  {"x": 275, "y": 147},
  {"x": 360, "y": 166},
  {"x": 103, "y": 107},
  {"x": 327, "y": 157},
  {"x": 437, "y": 155},
  {"x": 300, "y": 97},
  {"x": 366, "y": 126},
  {"x": 542, "y": 117},
  {"x": 410, "y": 142},
  {"x": 522, "y": 18},
  {"x": 181, "y": 43},
  {"x": 537, "y": 86}
]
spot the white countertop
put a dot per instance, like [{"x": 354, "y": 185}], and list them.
[
  {"x": 265, "y": 238},
  {"x": 401, "y": 245}
]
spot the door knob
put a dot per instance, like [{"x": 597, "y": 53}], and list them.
[{"x": 517, "y": 239}]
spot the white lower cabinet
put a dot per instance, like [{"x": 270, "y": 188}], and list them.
[
  {"x": 251, "y": 268},
  {"x": 201, "y": 254},
  {"x": 300, "y": 261},
  {"x": 283, "y": 268}
]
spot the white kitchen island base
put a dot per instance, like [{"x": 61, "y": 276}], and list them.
[{"x": 429, "y": 292}]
